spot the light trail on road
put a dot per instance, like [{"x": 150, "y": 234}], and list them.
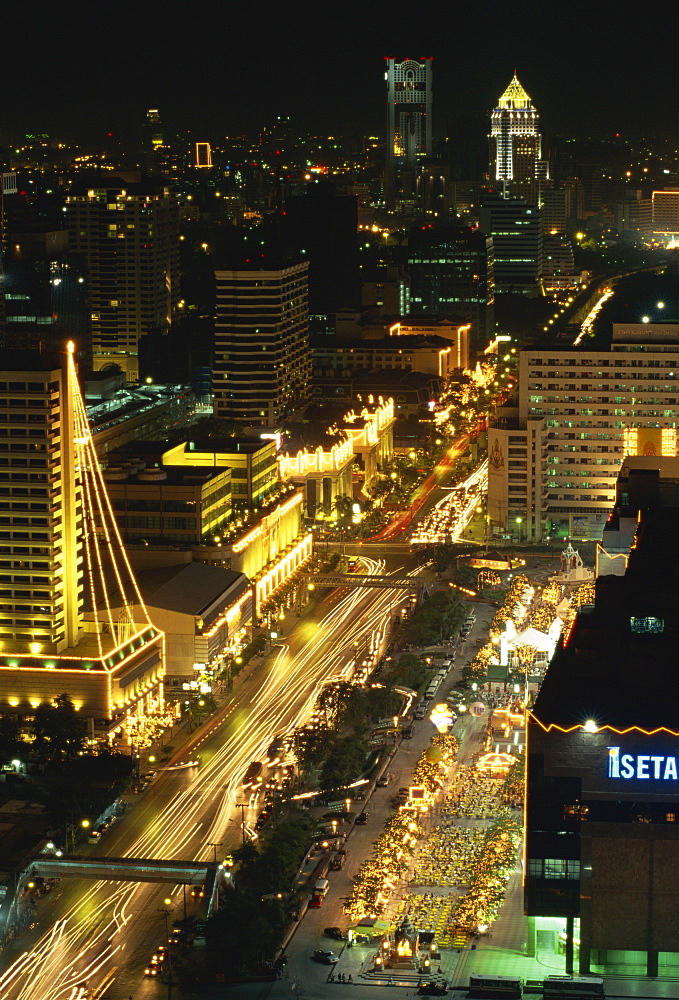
[
  {"x": 591, "y": 316},
  {"x": 87, "y": 942},
  {"x": 448, "y": 519}
]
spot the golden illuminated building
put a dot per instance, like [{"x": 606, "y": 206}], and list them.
[
  {"x": 517, "y": 166},
  {"x": 61, "y": 552}
]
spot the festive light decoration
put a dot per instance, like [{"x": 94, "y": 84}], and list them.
[
  {"x": 480, "y": 904},
  {"x": 391, "y": 853}
]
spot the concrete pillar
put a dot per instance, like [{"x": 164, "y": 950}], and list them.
[
  {"x": 530, "y": 938},
  {"x": 569, "y": 946},
  {"x": 652, "y": 963}
]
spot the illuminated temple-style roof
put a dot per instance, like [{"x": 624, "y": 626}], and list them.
[{"x": 515, "y": 97}]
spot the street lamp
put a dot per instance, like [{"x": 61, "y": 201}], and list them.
[{"x": 519, "y": 521}]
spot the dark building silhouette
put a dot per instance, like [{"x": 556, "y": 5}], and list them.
[
  {"x": 452, "y": 274},
  {"x": 602, "y": 844},
  {"x": 321, "y": 226}
]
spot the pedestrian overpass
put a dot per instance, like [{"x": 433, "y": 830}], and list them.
[
  {"x": 411, "y": 583},
  {"x": 206, "y": 873}
]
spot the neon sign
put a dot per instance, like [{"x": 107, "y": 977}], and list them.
[{"x": 643, "y": 766}]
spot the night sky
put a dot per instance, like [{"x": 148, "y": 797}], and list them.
[{"x": 77, "y": 70}]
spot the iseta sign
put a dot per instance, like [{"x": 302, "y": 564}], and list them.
[{"x": 657, "y": 767}]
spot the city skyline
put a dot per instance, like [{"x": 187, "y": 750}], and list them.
[{"x": 223, "y": 72}]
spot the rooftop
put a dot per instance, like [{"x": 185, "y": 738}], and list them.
[{"x": 191, "y": 588}]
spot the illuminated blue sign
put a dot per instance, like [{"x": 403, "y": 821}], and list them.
[{"x": 642, "y": 766}]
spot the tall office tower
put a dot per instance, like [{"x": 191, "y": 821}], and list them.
[
  {"x": 60, "y": 552},
  {"x": 153, "y": 139},
  {"x": 321, "y": 224},
  {"x": 127, "y": 229},
  {"x": 409, "y": 123},
  {"x": 516, "y": 163},
  {"x": 262, "y": 360},
  {"x": 516, "y": 228},
  {"x": 452, "y": 273}
]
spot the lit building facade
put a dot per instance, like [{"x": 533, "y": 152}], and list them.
[
  {"x": 553, "y": 462},
  {"x": 516, "y": 230},
  {"x": 262, "y": 362},
  {"x": 324, "y": 473},
  {"x": 665, "y": 213},
  {"x": 169, "y": 506},
  {"x": 252, "y": 464},
  {"x": 128, "y": 235},
  {"x": 409, "y": 120},
  {"x": 55, "y": 526},
  {"x": 516, "y": 163}
]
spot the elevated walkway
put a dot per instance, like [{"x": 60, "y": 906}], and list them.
[
  {"x": 359, "y": 580},
  {"x": 206, "y": 873}
]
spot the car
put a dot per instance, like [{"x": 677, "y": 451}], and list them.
[
  {"x": 408, "y": 733},
  {"x": 153, "y": 968},
  {"x": 316, "y": 902},
  {"x": 362, "y": 819},
  {"x": 325, "y": 957},
  {"x": 383, "y": 780},
  {"x": 198, "y": 891},
  {"x": 148, "y": 776},
  {"x": 432, "y": 990},
  {"x": 336, "y": 933}
]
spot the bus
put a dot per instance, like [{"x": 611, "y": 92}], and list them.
[
  {"x": 565, "y": 987},
  {"x": 495, "y": 986}
]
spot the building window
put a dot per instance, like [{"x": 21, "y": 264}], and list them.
[
  {"x": 647, "y": 625},
  {"x": 553, "y": 868}
]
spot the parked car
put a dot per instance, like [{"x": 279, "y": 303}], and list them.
[
  {"x": 325, "y": 957},
  {"x": 362, "y": 819},
  {"x": 384, "y": 780},
  {"x": 432, "y": 990},
  {"x": 408, "y": 733}
]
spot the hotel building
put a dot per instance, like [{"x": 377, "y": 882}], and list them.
[
  {"x": 59, "y": 544},
  {"x": 554, "y": 459}
]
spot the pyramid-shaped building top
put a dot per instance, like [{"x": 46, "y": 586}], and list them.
[{"x": 515, "y": 97}]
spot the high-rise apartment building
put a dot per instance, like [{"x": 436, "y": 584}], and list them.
[
  {"x": 516, "y": 164},
  {"x": 262, "y": 359},
  {"x": 409, "y": 120},
  {"x": 127, "y": 230},
  {"x": 553, "y": 463},
  {"x": 59, "y": 552},
  {"x": 452, "y": 273},
  {"x": 516, "y": 229}
]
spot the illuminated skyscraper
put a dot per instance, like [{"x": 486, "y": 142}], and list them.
[
  {"x": 516, "y": 163},
  {"x": 62, "y": 557},
  {"x": 262, "y": 364},
  {"x": 127, "y": 229},
  {"x": 409, "y": 119}
]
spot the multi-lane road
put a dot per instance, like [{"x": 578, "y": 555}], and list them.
[{"x": 102, "y": 933}]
